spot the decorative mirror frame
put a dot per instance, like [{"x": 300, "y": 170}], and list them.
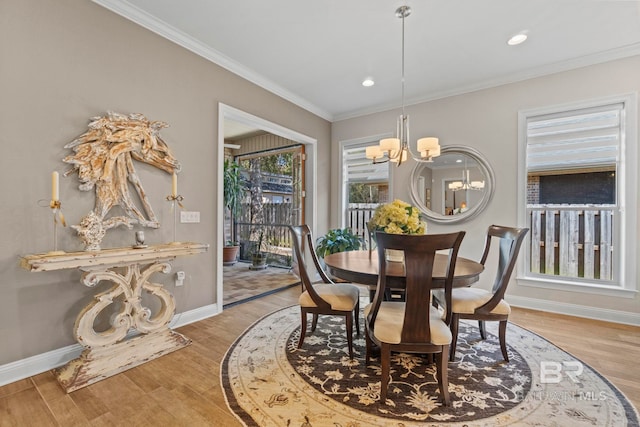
[{"x": 485, "y": 168}]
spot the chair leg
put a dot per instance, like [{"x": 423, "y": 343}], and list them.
[
  {"x": 443, "y": 375},
  {"x": 356, "y": 313},
  {"x": 483, "y": 331},
  {"x": 385, "y": 362},
  {"x": 368, "y": 347},
  {"x": 454, "y": 336},
  {"x": 503, "y": 339},
  {"x": 303, "y": 327},
  {"x": 314, "y": 322},
  {"x": 349, "y": 320}
]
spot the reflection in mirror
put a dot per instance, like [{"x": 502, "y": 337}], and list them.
[{"x": 454, "y": 187}]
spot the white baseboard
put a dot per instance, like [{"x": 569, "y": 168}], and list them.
[
  {"x": 34, "y": 365},
  {"x": 607, "y": 315},
  {"x": 194, "y": 315}
]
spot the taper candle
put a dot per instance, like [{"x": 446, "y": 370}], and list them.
[
  {"x": 174, "y": 186},
  {"x": 55, "y": 189}
]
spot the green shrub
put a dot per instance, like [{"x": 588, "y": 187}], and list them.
[{"x": 338, "y": 240}]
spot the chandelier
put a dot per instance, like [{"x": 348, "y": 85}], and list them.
[
  {"x": 397, "y": 149},
  {"x": 466, "y": 183}
]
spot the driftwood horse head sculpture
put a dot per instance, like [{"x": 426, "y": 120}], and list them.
[{"x": 104, "y": 160}]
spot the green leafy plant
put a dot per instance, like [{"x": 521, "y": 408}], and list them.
[
  {"x": 232, "y": 186},
  {"x": 232, "y": 192},
  {"x": 259, "y": 247},
  {"x": 338, "y": 240}
]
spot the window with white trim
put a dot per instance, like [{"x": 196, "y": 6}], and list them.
[
  {"x": 578, "y": 188},
  {"x": 364, "y": 186}
]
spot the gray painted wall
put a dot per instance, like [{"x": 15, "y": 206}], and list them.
[
  {"x": 487, "y": 120},
  {"x": 62, "y": 62}
]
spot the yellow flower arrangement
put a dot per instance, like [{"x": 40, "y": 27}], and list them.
[{"x": 397, "y": 217}]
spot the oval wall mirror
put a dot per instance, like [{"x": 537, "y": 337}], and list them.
[{"x": 455, "y": 187}]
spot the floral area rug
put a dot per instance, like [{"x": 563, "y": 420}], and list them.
[{"x": 268, "y": 381}]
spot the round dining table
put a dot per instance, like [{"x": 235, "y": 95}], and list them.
[{"x": 362, "y": 267}]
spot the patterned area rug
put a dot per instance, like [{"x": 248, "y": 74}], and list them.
[{"x": 269, "y": 382}]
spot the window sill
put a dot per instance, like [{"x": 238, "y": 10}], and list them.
[{"x": 585, "y": 288}]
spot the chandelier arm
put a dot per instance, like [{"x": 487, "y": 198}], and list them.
[{"x": 428, "y": 149}]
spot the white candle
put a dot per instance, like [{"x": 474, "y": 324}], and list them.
[
  {"x": 174, "y": 185},
  {"x": 55, "y": 189}
]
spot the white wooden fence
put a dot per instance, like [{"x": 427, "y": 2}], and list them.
[
  {"x": 572, "y": 241},
  {"x": 358, "y": 215}
]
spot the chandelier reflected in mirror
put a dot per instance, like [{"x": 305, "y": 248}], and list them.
[
  {"x": 398, "y": 149},
  {"x": 466, "y": 183}
]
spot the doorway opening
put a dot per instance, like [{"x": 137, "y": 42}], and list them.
[{"x": 277, "y": 194}]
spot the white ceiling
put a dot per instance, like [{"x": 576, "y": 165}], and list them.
[{"x": 316, "y": 53}]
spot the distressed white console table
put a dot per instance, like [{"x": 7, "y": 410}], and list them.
[{"x": 115, "y": 350}]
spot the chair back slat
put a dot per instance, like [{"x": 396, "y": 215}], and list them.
[
  {"x": 303, "y": 248},
  {"x": 510, "y": 241},
  {"x": 419, "y": 256}
]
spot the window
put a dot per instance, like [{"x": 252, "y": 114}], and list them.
[
  {"x": 364, "y": 185},
  {"x": 577, "y": 178}
]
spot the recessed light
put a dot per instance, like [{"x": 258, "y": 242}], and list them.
[
  {"x": 368, "y": 82},
  {"x": 517, "y": 39}
]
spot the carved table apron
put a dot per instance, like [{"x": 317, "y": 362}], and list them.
[{"x": 115, "y": 350}]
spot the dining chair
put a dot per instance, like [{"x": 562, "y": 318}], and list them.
[
  {"x": 480, "y": 304},
  {"x": 325, "y": 296},
  {"x": 412, "y": 325}
]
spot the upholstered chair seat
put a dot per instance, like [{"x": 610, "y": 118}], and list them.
[
  {"x": 467, "y": 300},
  {"x": 391, "y": 319},
  {"x": 341, "y": 297}
]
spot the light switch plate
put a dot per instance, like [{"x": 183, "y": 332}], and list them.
[{"x": 189, "y": 217}]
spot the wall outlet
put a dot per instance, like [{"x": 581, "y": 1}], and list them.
[
  {"x": 189, "y": 217},
  {"x": 180, "y": 276}
]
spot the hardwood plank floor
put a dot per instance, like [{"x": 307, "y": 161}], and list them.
[{"x": 183, "y": 388}]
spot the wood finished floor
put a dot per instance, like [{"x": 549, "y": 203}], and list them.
[{"x": 183, "y": 388}]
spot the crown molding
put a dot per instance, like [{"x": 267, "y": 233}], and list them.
[
  {"x": 142, "y": 18},
  {"x": 151, "y": 23},
  {"x": 558, "y": 67}
]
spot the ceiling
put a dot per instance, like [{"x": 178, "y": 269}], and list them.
[{"x": 316, "y": 53}]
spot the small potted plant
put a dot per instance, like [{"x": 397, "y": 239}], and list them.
[
  {"x": 338, "y": 240},
  {"x": 232, "y": 188},
  {"x": 259, "y": 256}
]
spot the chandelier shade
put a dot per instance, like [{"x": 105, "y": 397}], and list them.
[{"x": 398, "y": 149}]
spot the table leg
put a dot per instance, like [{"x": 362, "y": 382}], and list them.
[{"x": 135, "y": 336}]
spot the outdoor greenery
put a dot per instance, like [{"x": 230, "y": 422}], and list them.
[
  {"x": 338, "y": 240},
  {"x": 232, "y": 194},
  {"x": 232, "y": 186},
  {"x": 281, "y": 163},
  {"x": 363, "y": 193}
]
